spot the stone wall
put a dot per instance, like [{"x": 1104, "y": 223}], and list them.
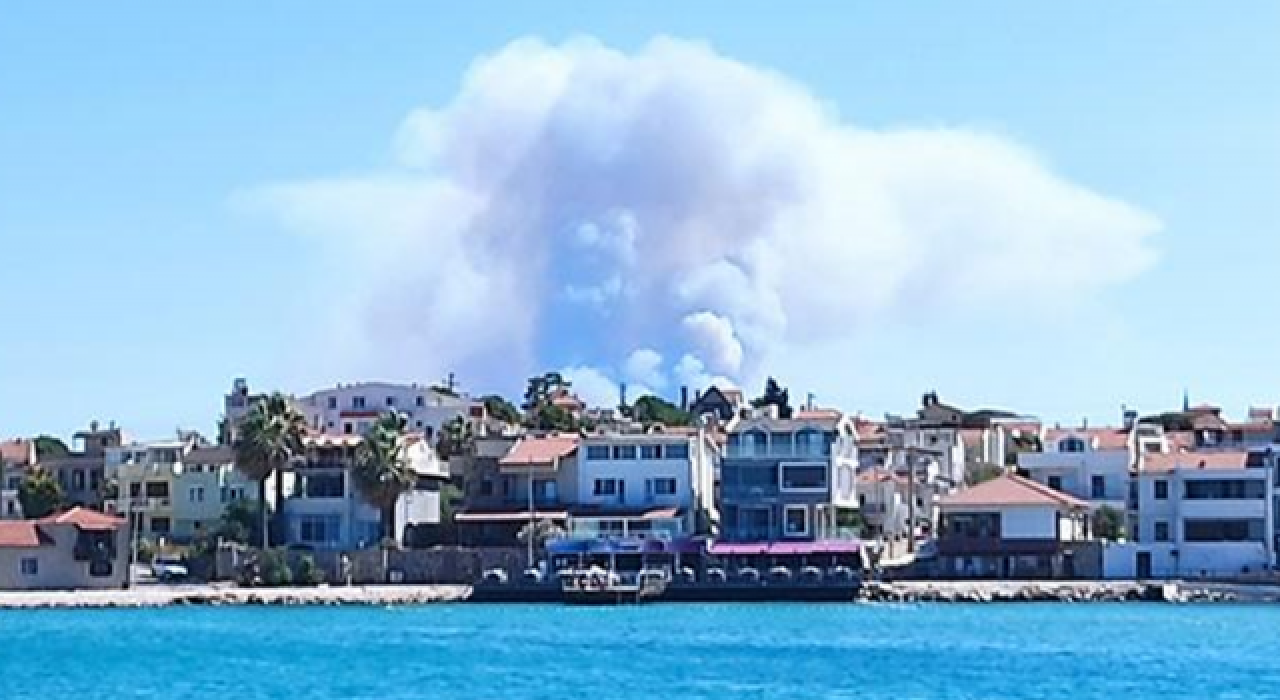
[{"x": 456, "y": 565}]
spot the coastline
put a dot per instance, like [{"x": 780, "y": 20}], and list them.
[{"x": 870, "y": 592}]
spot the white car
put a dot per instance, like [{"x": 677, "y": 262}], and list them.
[{"x": 168, "y": 570}]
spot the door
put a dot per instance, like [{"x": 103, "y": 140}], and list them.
[
  {"x": 1143, "y": 565},
  {"x": 622, "y": 491}
]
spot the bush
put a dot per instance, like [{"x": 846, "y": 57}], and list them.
[
  {"x": 306, "y": 571},
  {"x": 146, "y": 551},
  {"x": 274, "y": 567}
]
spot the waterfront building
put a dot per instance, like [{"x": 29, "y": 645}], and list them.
[
  {"x": 515, "y": 482},
  {"x": 1011, "y": 527},
  {"x": 324, "y": 509},
  {"x": 1200, "y": 514},
  {"x": 1091, "y": 464},
  {"x": 176, "y": 489},
  {"x": 788, "y": 479},
  {"x": 16, "y": 457},
  {"x": 82, "y": 471},
  {"x": 77, "y": 549}
]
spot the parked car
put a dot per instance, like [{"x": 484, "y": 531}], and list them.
[{"x": 168, "y": 570}]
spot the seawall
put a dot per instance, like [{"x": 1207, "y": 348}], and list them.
[{"x": 227, "y": 595}]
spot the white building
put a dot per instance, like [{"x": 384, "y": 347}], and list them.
[
  {"x": 1091, "y": 464},
  {"x": 1201, "y": 514},
  {"x": 16, "y": 457},
  {"x": 178, "y": 489},
  {"x": 632, "y": 483}
]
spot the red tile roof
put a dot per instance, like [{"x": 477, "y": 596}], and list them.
[
  {"x": 879, "y": 476},
  {"x": 819, "y": 414},
  {"x": 1232, "y": 459},
  {"x": 85, "y": 519},
  {"x": 17, "y": 452},
  {"x": 1012, "y": 490},
  {"x": 540, "y": 450},
  {"x": 22, "y": 533},
  {"x": 1096, "y": 438}
]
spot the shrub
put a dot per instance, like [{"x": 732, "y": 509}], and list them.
[
  {"x": 306, "y": 571},
  {"x": 274, "y": 567}
]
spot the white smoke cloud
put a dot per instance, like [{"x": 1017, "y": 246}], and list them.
[{"x": 573, "y": 204}]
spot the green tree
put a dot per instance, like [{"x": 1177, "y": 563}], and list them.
[
  {"x": 40, "y": 494},
  {"x": 270, "y": 437},
  {"x": 541, "y": 531},
  {"x": 382, "y": 469},
  {"x": 652, "y": 409},
  {"x": 50, "y": 447},
  {"x": 456, "y": 439},
  {"x": 501, "y": 409},
  {"x": 1108, "y": 523},
  {"x": 774, "y": 395},
  {"x": 981, "y": 471}
]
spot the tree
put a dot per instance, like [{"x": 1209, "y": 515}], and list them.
[
  {"x": 50, "y": 447},
  {"x": 40, "y": 494},
  {"x": 541, "y": 531},
  {"x": 382, "y": 469},
  {"x": 456, "y": 439},
  {"x": 1108, "y": 523},
  {"x": 982, "y": 471},
  {"x": 1172, "y": 421},
  {"x": 543, "y": 389},
  {"x": 774, "y": 395},
  {"x": 502, "y": 409},
  {"x": 652, "y": 409},
  {"x": 270, "y": 437}
]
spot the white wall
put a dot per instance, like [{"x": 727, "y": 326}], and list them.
[
  {"x": 635, "y": 472},
  {"x": 1221, "y": 559},
  {"x": 436, "y": 410},
  {"x": 1077, "y": 470}
]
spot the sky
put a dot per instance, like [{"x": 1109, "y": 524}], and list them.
[{"x": 1056, "y": 208}]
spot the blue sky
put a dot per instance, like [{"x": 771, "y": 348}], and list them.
[{"x": 135, "y": 284}]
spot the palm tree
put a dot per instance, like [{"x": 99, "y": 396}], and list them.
[
  {"x": 382, "y": 469},
  {"x": 269, "y": 438}
]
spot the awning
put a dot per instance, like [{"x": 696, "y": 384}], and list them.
[
  {"x": 507, "y": 516},
  {"x": 621, "y": 545},
  {"x": 786, "y": 548},
  {"x": 613, "y": 512}
]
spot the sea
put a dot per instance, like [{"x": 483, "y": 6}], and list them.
[{"x": 475, "y": 652}]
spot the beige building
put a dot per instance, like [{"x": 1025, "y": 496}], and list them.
[{"x": 80, "y": 548}]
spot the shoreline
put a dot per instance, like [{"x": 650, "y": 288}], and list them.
[{"x": 870, "y": 592}]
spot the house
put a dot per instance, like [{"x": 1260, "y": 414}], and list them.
[
  {"x": 788, "y": 479},
  {"x": 934, "y": 412},
  {"x": 81, "y": 472},
  {"x": 933, "y": 448},
  {"x": 1211, "y": 431},
  {"x": 1200, "y": 514},
  {"x": 724, "y": 404},
  {"x": 1010, "y": 527},
  {"x": 534, "y": 480},
  {"x": 1089, "y": 463},
  {"x": 77, "y": 549},
  {"x": 883, "y": 501},
  {"x": 177, "y": 490},
  {"x": 323, "y": 507},
  {"x": 16, "y": 457},
  {"x": 984, "y": 446},
  {"x": 659, "y": 483}
]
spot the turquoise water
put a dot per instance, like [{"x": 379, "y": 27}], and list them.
[{"x": 1120, "y": 652}]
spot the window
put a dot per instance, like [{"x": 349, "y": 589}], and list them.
[
  {"x": 333, "y": 403},
  {"x": 363, "y": 427},
  {"x": 808, "y": 442},
  {"x": 77, "y": 479},
  {"x": 161, "y": 526},
  {"x": 320, "y": 529},
  {"x": 783, "y": 444},
  {"x": 1055, "y": 483},
  {"x": 598, "y": 452},
  {"x": 606, "y": 487},
  {"x": 663, "y": 486},
  {"x": 1162, "y": 531},
  {"x": 1071, "y": 444},
  {"x": 651, "y": 452},
  {"x": 976, "y": 525},
  {"x": 757, "y": 444},
  {"x": 486, "y": 487},
  {"x": 357, "y": 402},
  {"x": 677, "y": 452},
  {"x": 196, "y": 494},
  {"x": 804, "y": 477},
  {"x": 1225, "y": 489},
  {"x": 420, "y": 401},
  {"x": 1162, "y": 490},
  {"x": 348, "y": 428},
  {"x": 157, "y": 489},
  {"x": 321, "y": 485},
  {"x": 418, "y": 425},
  {"x": 1236, "y": 530},
  {"x": 1097, "y": 486},
  {"x": 795, "y": 521},
  {"x": 391, "y": 401},
  {"x": 135, "y": 490},
  {"x": 545, "y": 490},
  {"x": 329, "y": 425},
  {"x": 624, "y": 452},
  {"x": 30, "y": 566}
]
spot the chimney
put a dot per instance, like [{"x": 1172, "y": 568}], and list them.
[
  {"x": 622, "y": 394},
  {"x": 684, "y": 398},
  {"x": 1130, "y": 418}
]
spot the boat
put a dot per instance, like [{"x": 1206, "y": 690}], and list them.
[{"x": 600, "y": 586}]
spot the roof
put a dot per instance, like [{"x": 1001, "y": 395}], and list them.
[
  {"x": 1169, "y": 461},
  {"x": 18, "y": 452},
  {"x": 540, "y": 450},
  {"x": 879, "y": 476},
  {"x": 1012, "y": 490},
  {"x": 867, "y": 429},
  {"x": 211, "y": 455},
  {"x": 1253, "y": 426},
  {"x": 1097, "y": 438},
  {"x": 820, "y": 547},
  {"x": 22, "y": 534},
  {"x": 818, "y": 414},
  {"x": 85, "y": 519}
]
